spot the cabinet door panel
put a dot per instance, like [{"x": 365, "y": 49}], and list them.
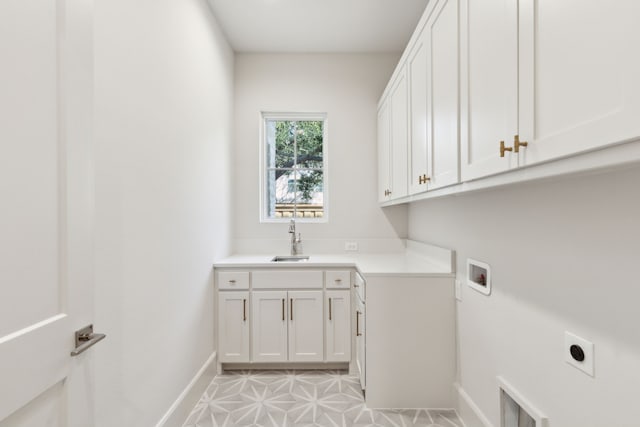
[
  {"x": 579, "y": 88},
  {"x": 384, "y": 151},
  {"x": 489, "y": 86},
  {"x": 443, "y": 89},
  {"x": 399, "y": 137},
  {"x": 305, "y": 326},
  {"x": 338, "y": 325},
  {"x": 269, "y": 333},
  {"x": 361, "y": 343},
  {"x": 417, "y": 70},
  {"x": 233, "y": 326}
]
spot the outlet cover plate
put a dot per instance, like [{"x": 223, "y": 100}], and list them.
[
  {"x": 587, "y": 365},
  {"x": 351, "y": 246}
]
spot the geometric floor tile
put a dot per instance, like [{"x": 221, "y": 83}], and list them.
[{"x": 300, "y": 398}]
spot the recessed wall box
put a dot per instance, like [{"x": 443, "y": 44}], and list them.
[{"x": 479, "y": 276}]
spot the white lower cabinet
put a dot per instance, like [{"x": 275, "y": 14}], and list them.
[
  {"x": 305, "y": 326},
  {"x": 287, "y": 326},
  {"x": 284, "y": 316},
  {"x": 269, "y": 326},
  {"x": 338, "y": 325},
  {"x": 233, "y": 328}
]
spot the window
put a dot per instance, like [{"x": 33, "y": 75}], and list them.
[{"x": 294, "y": 159}]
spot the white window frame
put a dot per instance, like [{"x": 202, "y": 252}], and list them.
[{"x": 264, "y": 116}]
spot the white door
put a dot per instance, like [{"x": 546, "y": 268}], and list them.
[
  {"x": 305, "y": 326},
  {"x": 443, "y": 118},
  {"x": 338, "y": 325},
  {"x": 417, "y": 70},
  {"x": 46, "y": 253},
  {"x": 269, "y": 326},
  {"x": 233, "y": 326},
  {"x": 399, "y": 136},
  {"x": 579, "y": 86},
  {"x": 384, "y": 152},
  {"x": 489, "y": 85}
]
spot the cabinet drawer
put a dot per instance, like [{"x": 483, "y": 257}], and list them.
[
  {"x": 233, "y": 280},
  {"x": 338, "y": 279},
  {"x": 287, "y": 279}
]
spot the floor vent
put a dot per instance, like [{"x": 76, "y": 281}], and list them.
[{"x": 516, "y": 411}]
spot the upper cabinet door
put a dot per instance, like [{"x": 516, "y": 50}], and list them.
[
  {"x": 579, "y": 68},
  {"x": 443, "y": 118},
  {"x": 399, "y": 136},
  {"x": 489, "y": 85},
  {"x": 417, "y": 73},
  {"x": 384, "y": 151}
]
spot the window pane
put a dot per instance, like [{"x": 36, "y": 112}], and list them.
[
  {"x": 310, "y": 194},
  {"x": 281, "y": 193},
  {"x": 280, "y": 143},
  {"x": 309, "y": 135}
]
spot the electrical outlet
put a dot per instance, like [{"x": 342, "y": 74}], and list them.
[
  {"x": 351, "y": 246},
  {"x": 458, "y": 289},
  {"x": 578, "y": 352}
]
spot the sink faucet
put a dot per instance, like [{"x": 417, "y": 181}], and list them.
[{"x": 296, "y": 241}]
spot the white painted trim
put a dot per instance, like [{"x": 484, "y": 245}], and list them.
[
  {"x": 181, "y": 398},
  {"x": 470, "y": 407},
  {"x": 324, "y": 117}
]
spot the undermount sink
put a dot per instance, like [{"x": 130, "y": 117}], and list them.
[{"x": 290, "y": 258}]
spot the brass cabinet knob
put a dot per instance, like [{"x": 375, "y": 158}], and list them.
[
  {"x": 503, "y": 148},
  {"x": 517, "y": 144}
]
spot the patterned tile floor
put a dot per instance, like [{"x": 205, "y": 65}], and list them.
[{"x": 300, "y": 398}]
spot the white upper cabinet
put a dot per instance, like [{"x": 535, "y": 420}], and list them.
[
  {"x": 393, "y": 134},
  {"x": 384, "y": 151},
  {"x": 489, "y": 85},
  {"x": 443, "y": 119},
  {"x": 579, "y": 69},
  {"x": 399, "y": 136},
  {"x": 417, "y": 65}
]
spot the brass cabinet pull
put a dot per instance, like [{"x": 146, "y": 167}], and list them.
[
  {"x": 232, "y": 281},
  {"x": 422, "y": 179},
  {"x": 330, "y": 308},
  {"x": 358, "y": 334},
  {"x": 283, "y": 309},
  {"x": 517, "y": 144},
  {"x": 503, "y": 148},
  {"x": 291, "y": 301},
  {"x": 244, "y": 310}
]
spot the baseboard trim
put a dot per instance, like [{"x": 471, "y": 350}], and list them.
[
  {"x": 175, "y": 415},
  {"x": 468, "y": 411}
]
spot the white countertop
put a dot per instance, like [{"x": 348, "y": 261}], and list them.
[{"x": 418, "y": 260}]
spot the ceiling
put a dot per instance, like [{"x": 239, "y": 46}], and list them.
[{"x": 318, "y": 25}]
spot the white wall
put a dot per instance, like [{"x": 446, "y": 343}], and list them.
[
  {"x": 163, "y": 123},
  {"x": 347, "y": 88},
  {"x": 564, "y": 256}
]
